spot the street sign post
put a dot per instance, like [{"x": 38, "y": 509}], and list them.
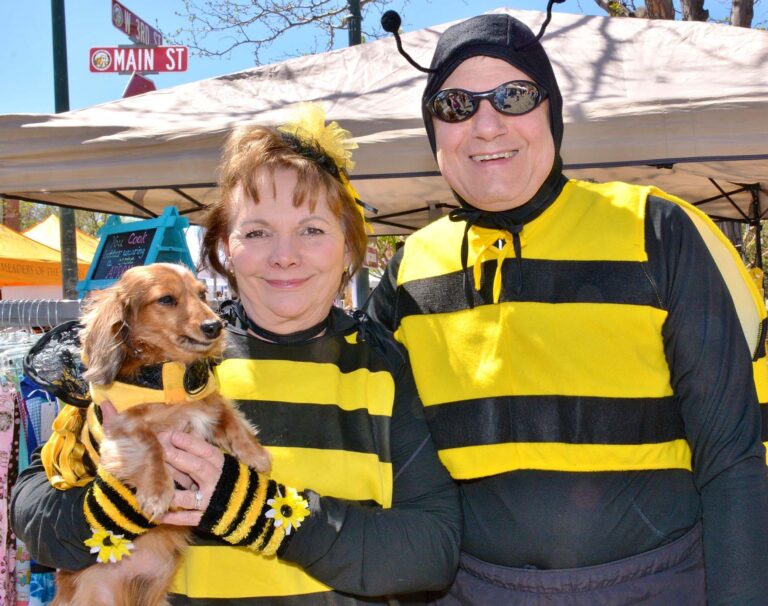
[
  {"x": 129, "y": 59},
  {"x": 135, "y": 28}
]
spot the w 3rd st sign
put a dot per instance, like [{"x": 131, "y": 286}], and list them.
[{"x": 139, "y": 59}]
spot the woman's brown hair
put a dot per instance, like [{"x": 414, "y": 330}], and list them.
[{"x": 251, "y": 148}]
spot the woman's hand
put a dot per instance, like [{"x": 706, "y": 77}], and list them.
[{"x": 196, "y": 466}]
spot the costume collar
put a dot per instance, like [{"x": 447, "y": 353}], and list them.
[
  {"x": 240, "y": 322},
  {"x": 294, "y": 338},
  {"x": 170, "y": 382},
  {"x": 510, "y": 221}
]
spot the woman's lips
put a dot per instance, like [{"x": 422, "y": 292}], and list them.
[{"x": 286, "y": 283}]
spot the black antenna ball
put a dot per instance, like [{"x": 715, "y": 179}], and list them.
[{"x": 390, "y": 22}]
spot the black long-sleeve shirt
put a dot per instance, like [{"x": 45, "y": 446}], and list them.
[{"x": 556, "y": 520}]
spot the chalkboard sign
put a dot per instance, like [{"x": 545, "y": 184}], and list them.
[
  {"x": 121, "y": 252},
  {"x": 123, "y": 245}
]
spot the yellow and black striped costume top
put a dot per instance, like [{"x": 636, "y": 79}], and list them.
[
  {"x": 596, "y": 384},
  {"x": 341, "y": 418}
]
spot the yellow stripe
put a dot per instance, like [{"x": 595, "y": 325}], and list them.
[
  {"x": 356, "y": 476},
  {"x": 319, "y": 384},
  {"x": 114, "y": 513},
  {"x": 92, "y": 523},
  {"x": 119, "y": 488},
  {"x": 590, "y": 222},
  {"x": 231, "y": 572},
  {"x": 480, "y": 461},
  {"x": 255, "y": 507},
  {"x": 271, "y": 548},
  {"x": 510, "y": 349},
  {"x": 235, "y": 501},
  {"x": 614, "y": 232},
  {"x": 760, "y": 372}
]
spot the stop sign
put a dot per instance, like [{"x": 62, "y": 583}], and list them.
[{"x": 137, "y": 85}]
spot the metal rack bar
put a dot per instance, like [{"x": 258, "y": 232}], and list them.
[{"x": 37, "y": 313}]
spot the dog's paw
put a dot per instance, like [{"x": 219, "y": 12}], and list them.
[
  {"x": 155, "y": 504},
  {"x": 256, "y": 457}
]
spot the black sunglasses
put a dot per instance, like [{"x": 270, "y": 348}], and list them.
[{"x": 513, "y": 98}]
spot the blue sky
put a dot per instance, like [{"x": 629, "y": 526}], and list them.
[{"x": 26, "y": 55}]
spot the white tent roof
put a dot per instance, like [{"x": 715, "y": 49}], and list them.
[{"x": 682, "y": 105}]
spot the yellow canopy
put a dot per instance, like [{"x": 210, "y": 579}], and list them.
[
  {"x": 24, "y": 262},
  {"x": 48, "y": 232}
]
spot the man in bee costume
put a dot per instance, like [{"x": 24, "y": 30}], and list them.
[{"x": 590, "y": 357}]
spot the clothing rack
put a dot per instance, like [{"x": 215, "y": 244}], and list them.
[{"x": 37, "y": 313}]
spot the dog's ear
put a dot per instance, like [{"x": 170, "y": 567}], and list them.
[{"x": 103, "y": 335}]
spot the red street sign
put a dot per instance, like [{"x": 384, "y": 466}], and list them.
[
  {"x": 137, "y": 85},
  {"x": 136, "y": 29},
  {"x": 138, "y": 59}
]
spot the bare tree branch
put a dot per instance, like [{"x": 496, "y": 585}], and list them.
[
  {"x": 742, "y": 11},
  {"x": 217, "y": 27}
]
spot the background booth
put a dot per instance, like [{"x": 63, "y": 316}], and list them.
[{"x": 29, "y": 269}]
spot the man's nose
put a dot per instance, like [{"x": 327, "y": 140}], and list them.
[{"x": 487, "y": 123}]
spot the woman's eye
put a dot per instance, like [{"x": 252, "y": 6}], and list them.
[
  {"x": 313, "y": 231},
  {"x": 255, "y": 233},
  {"x": 167, "y": 300}
]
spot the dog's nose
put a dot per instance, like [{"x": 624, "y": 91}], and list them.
[{"x": 211, "y": 328}]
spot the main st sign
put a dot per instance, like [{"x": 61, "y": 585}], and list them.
[{"x": 139, "y": 59}]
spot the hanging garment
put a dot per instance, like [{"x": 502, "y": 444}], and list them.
[{"x": 9, "y": 452}]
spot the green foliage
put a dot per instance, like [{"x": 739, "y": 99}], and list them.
[
  {"x": 386, "y": 246},
  {"x": 31, "y": 213},
  {"x": 749, "y": 246}
]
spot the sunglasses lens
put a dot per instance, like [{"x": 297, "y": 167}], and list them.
[
  {"x": 452, "y": 105},
  {"x": 516, "y": 98}
]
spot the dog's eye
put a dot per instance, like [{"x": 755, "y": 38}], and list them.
[
  {"x": 202, "y": 296},
  {"x": 167, "y": 300}
]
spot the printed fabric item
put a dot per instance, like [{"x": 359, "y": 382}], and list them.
[{"x": 10, "y": 420}]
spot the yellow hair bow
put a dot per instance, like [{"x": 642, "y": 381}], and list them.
[{"x": 308, "y": 124}]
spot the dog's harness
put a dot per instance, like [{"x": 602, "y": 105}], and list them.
[
  {"x": 71, "y": 454},
  {"x": 170, "y": 382}
]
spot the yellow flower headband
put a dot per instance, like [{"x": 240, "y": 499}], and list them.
[{"x": 329, "y": 145}]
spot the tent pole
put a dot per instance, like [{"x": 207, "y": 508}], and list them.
[
  {"x": 754, "y": 211},
  {"x": 61, "y": 93}
]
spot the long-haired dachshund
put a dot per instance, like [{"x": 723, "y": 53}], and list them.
[{"x": 153, "y": 315}]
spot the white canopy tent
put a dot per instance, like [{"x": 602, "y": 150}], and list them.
[{"x": 682, "y": 105}]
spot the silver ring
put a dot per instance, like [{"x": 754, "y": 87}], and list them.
[{"x": 198, "y": 499}]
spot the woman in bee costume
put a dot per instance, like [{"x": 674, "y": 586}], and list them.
[
  {"x": 357, "y": 508},
  {"x": 590, "y": 357}
]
